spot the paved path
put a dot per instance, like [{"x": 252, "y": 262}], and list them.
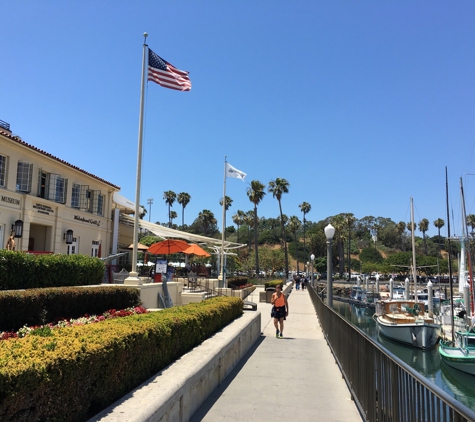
[{"x": 290, "y": 379}]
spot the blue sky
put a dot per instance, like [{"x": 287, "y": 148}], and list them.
[{"x": 358, "y": 104}]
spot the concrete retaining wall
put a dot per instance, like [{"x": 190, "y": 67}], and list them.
[{"x": 178, "y": 391}]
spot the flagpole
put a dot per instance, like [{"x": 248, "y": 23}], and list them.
[
  {"x": 133, "y": 276},
  {"x": 221, "y": 272}
]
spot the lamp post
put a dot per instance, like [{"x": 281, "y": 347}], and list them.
[
  {"x": 149, "y": 202},
  {"x": 329, "y": 233},
  {"x": 312, "y": 259}
]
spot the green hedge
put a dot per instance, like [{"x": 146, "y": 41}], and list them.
[
  {"x": 77, "y": 371},
  {"x": 272, "y": 283},
  {"x": 237, "y": 281},
  {"x": 40, "y": 306},
  {"x": 20, "y": 270}
]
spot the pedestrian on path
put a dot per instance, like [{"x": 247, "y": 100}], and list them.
[{"x": 280, "y": 310}]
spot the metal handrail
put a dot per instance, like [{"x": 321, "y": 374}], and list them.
[
  {"x": 383, "y": 387},
  {"x": 5, "y": 125}
]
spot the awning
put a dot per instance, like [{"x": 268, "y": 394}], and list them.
[{"x": 167, "y": 233}]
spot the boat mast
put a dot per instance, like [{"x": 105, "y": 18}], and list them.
[
  {"x": 449, "y": 258},
  {"x": 414, "y": 271},
  {"x": 469, "y": 254}
]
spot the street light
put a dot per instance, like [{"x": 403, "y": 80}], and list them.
[
  {"x": 329, "y": 233},
  {"x": 312, "y": 259},
  {"x": 149, "y": 202}
]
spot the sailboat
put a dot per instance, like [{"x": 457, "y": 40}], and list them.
[
  {"x": 459, "y": 352},
  {"x": 404, "y": 320}
]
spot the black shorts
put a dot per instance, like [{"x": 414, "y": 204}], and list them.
[{"x": 278, "y": 312}]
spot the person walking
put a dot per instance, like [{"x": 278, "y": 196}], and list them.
[{"x": 280, "y": 310}]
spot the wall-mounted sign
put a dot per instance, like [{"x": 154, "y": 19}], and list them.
[
  {"x": 87, "y": 220},
  {"x": 43, "y": 209},
  {"x": 9, "y": 200}
]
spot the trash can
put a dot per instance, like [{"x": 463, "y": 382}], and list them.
[
  {"x": 157, "y": 278},
  {"x": 269, "y": 292}
]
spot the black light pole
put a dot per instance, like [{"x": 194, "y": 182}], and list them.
[{"x": 329, "y": 233}]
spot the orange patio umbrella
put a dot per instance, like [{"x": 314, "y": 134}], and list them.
[
  {"x": 167, "y": 247},
  {"x": 194, "y": 249},
  {"x": 140, "y": 247}
]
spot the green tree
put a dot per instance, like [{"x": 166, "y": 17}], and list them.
[
  {"x": 229, "y": 201},
  {"x": 169, "y": 196},
  {"x": 400, "y": 229},
  {"x": 423, "y": 227},
  {"x": 238, "y": 219},
  {"x": 249, "y": 221},
  {"x": 294, "y": 226},
  {"x": 183, "y": 199},
  {"x": 278, "y": 187},
  {"x": 255, "y": 194},
  {"x": 471, "y": 222},
  {"x": 349, "y": 219},
  {"x": 173, "y": 215},
  {"x": 305, "y": 207},
  {"x": 207, "y": 220},
  {"x": 370, "y": 254},
  {"x": 439, "y": 223}
]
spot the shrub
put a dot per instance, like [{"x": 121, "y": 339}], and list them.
[
  {"x": 77, "y": 371},
  {"x": 273, "y": 283},
  {"x": 39, "y": 306},
  {"x": 25, "y": 271}
]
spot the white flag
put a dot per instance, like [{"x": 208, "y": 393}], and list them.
[{"x": 232, "y": 172}]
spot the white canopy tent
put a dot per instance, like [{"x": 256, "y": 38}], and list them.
[{"x": 167, "y": 233}]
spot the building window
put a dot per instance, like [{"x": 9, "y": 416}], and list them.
[
  {"x": 73, "y": 247},
  {"x": 3, "y": 169},
  {"x": 75, "y": 195},
  {"x": 100, "y": 204},
  {"x": 23, "y": 176},
  {"x": 52, "y": 186},
  {"x": 96, "y": 202},
  {"x": 95, "y": 248}
]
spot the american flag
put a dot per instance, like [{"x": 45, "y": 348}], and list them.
[{"x": 167, "y": 75}]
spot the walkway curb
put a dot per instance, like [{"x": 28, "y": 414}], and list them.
[{"x": 176, "y": 392}]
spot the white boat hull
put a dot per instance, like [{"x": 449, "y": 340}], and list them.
[{"x": 421, "y": 335}]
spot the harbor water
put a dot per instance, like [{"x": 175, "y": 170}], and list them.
[{"x": 458, "y": 384}]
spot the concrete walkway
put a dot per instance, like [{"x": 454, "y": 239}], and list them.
[{"x": 294, "y": 378}]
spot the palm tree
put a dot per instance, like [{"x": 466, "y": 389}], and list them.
[
  {"x": 183, "y": 199},
  {"x": 229, "y": 201},
  {"x": 439, "y": 223},
  {"x": 173, "y": 215},
  {"x": 294, "y": 226},
  {"x": 305, "y": 207},
  {"x": 207, "y": 219},
  {"x": 278, "y": 187},
  {"x": 471, "y": 222},
  {"x": 238, "y": 219},
  {"x": 255, "y": 194},
  {"x": 400, "y": 227},
  {"x": 249, "y": 221},
  {"x": 423, "y": 227},
  {"x": 227, "y": 204},
  {"x": 169, "y": 196}
]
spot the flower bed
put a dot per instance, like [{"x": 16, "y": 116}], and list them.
[{"x": 45, "y": 330}]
